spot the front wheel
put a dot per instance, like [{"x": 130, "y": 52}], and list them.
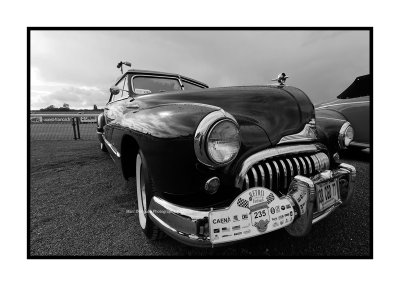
[{"x": 145, "y": 191}]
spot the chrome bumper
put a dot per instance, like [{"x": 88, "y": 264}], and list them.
[{"x": 191, "y": 226}]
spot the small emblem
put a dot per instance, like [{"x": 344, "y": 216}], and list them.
[
  {"x": 243, "y": 203},
  {"x": 236, "y": 227},
  {"x": 262, "y": 225}
]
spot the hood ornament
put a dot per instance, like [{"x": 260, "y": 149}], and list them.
[{"x": 281, "y": 78}]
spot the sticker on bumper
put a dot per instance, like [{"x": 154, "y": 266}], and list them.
[{"x": 254, "y": 212}]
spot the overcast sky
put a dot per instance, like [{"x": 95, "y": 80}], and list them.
[{"x": 78, "y": 67}]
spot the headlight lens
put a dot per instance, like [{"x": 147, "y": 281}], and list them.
[
  {"x": 346, "y": 135},
  {"x": 223, "y": 142}
]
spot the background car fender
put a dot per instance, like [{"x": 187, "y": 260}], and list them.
[{"x": 328, "y": 124}]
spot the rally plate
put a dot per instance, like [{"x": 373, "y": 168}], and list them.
[{"x": 254, "y": 212}]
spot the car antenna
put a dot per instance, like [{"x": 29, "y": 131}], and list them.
[
  {"x": 120, "y": 65},
  {"x": 281, "y": 78}
]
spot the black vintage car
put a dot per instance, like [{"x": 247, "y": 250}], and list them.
[{"x": 218, "y": 165}]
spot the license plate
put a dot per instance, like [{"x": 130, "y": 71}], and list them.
[
  {"x": 328, "y": 194},
  {"x": 254, "y": 212}
]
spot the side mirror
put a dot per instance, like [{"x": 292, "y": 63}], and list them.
[{"x": 114, "y": 90}]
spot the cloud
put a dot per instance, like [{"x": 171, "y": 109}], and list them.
[
  {"x": 74, "y": 96},
  {"x": 322, "y": 63}
]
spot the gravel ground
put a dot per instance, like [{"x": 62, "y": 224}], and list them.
[{"x": 81, "y": 206}]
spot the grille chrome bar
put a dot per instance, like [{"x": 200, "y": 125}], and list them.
[
  {"x": 291, "y": 169},
  {"x": 270, "y": 175},
  {"x": 262, "y": 175},
  {"x": 277, "y": 178},
  {"x": 297, "y": 166},
  {"x": 310, "y": 170},
  {"x": 303, "y": 165},
  {"x": 255, "y": 176},
  {"x": 284, "y": 174}
]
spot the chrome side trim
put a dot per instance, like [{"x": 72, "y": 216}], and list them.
[
  {"x": 113, "y": 149},
  {"x": 273, "y": 152},
  {"x": 344, "y": 103},
  {"x": 331, "y": 118}
]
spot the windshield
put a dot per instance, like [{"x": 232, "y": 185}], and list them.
[
  {"x": 190, "y": 86},
  {"x": 145, "y": 85}
]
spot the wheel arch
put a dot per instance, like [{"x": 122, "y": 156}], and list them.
[{"x": 129, "y": 151}]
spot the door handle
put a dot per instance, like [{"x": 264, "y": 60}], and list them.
[{"x": 132, "y": 106}]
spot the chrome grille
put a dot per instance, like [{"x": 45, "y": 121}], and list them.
[{"x": 276, "y": 173}]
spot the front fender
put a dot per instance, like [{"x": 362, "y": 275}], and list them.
[{"x": 165, "y": 134}]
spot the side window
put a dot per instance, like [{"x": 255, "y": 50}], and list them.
[{"x": 123, "y": 89}]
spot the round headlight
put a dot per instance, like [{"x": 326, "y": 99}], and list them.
[
  {"x": 346, "y": 135},
  {"x": 223, "y": 141}
]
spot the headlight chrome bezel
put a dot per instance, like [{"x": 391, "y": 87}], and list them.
[
  {"x": 343, "y": 133},
  {"x": 208, "y": 123}
]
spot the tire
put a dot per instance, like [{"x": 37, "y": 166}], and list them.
[
  {"x": 103, "y": 147},
  {"x": 145, "y": 191}
]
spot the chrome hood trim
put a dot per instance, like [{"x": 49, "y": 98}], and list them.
[{"x": 309, "y": 133}]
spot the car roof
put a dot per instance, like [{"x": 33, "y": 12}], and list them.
[
  {"x": 136, "y": 71},
  {"x": 362, "y": 86}
]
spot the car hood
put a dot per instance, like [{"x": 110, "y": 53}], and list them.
[{"x": 277, "y": 110}]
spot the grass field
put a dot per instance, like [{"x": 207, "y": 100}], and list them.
[
  {"x": 80, "y": 205},
  {"x": 62, "y": 131}
]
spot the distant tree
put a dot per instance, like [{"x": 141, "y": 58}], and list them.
[
  {"x": 66, "y": 106},
  {"x": 50, "y": 107},
  {"x": 95, "y": 107}
]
